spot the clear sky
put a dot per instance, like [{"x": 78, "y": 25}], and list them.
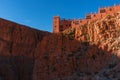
[{"x": 39, "y": 13}]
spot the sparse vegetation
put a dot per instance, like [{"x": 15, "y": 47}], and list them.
[
  {"x": 119, "y": 31},
  {"x": 88, "y": 37},
  {"x": 69, "y": 33},
  {"x": 112, "y": 65}
]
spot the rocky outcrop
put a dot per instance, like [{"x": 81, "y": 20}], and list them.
[
  {"x": 88, "y": 52},
  {"x": 104, "y": 34}
]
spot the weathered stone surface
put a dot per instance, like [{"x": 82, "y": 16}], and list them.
[
  {"x": 103, "y": 38},
  {"x": 17, "y": 45},
  {"x": 88, "y": 52}
]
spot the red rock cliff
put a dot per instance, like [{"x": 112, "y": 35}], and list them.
[{"x": 89, "y": 52}]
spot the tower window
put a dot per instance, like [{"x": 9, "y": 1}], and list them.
[
  {"x": 102, "y": 10},
  {"x": 88, "y": 17},
  {"x": 76, "y": 22},
  {"x": 110, "y": 9},
  {"x": 61, "y": 26}
]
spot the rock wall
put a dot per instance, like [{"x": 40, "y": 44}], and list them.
[
  {"x": 17, "y": 45},
  {"x": 75, "y": 54},
  {"x": 104, "y": 35}
]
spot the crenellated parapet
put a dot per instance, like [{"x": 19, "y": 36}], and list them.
[{"x": 62, "y": 24}]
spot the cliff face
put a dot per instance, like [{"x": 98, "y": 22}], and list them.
[
  {"x": 90, "y": 51},
  {"x": 104, "y": 35},
  {"x": 17, "y": 49}
]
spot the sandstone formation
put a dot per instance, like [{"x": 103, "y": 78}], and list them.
[{"x": 88, "y": 52}]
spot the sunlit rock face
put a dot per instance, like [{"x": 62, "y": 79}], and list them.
[
  {"x": 102, "y": 54},
  {"x": 88, "y": 52}
]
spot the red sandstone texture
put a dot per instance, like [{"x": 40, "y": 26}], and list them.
[
  {"x": 103, "y": 51},
  {"x": 88, "y": 52}
]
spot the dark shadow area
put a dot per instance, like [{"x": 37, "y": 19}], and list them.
[
  {"x": 16, "y": 68},
  {"x": 89, "y": 62},
  {"x": 76, "y": 61}
]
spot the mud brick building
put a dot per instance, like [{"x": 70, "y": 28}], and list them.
[{"x": 61, "y": 25}]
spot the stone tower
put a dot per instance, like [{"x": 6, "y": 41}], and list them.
[{"x": 56, "y": 24}]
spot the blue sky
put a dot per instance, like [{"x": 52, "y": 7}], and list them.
[{"x": 39, "y": 13}]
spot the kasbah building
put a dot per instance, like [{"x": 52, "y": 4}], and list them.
[{"x": 62, "y": 24}]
